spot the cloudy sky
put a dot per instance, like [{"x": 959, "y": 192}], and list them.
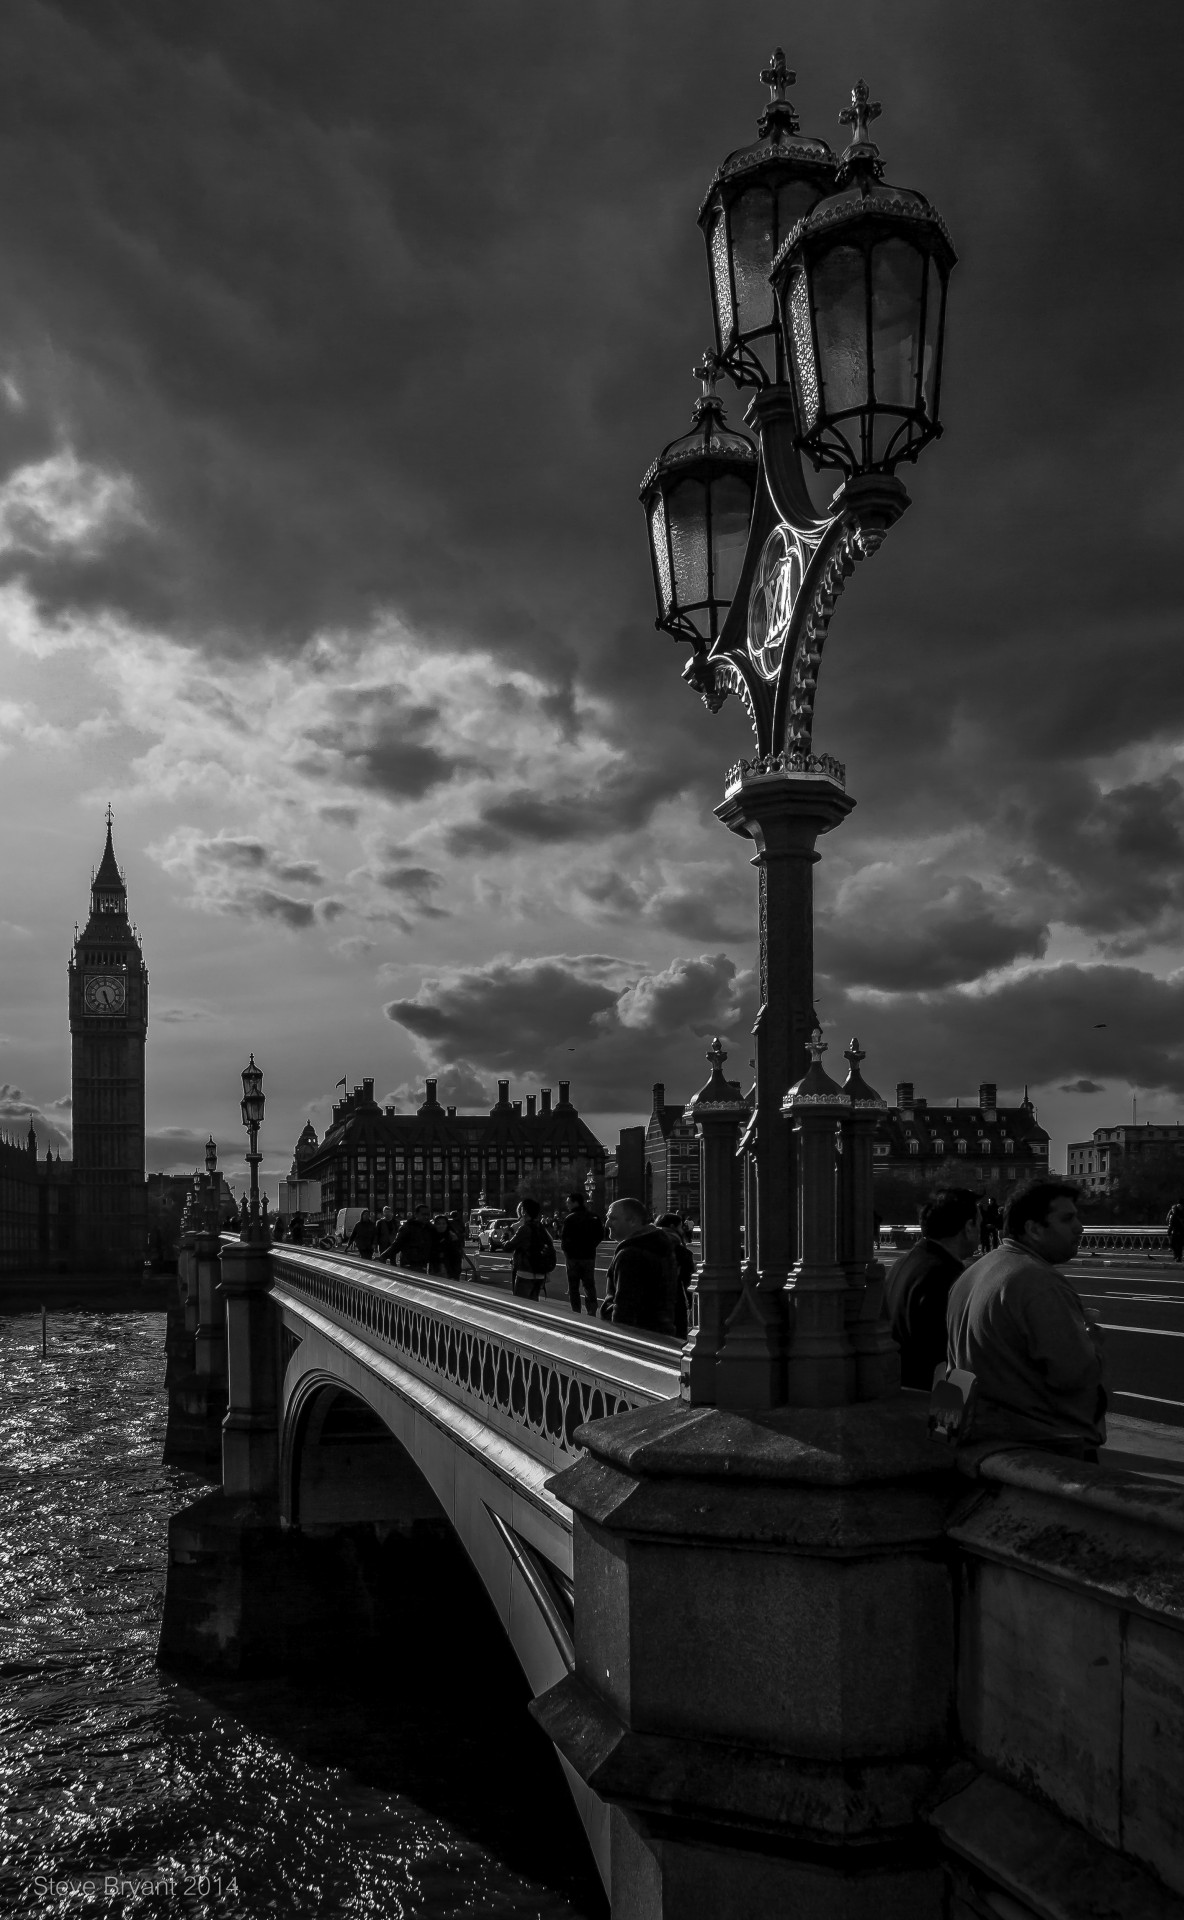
[{"x": 334, "y": 341}]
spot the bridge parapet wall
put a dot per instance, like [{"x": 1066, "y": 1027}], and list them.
[
  {"x": 1070, "y": 1684},
  {"x": 517, "y": 1368}
]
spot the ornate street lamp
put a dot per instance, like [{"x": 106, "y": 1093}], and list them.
[
  {"x": 698, "y": 498},
  {"x": 755, "y": 199},
  {"x": 860, "y": 285},
  {"x": 212, "y": 1154},
  {"x": 860, "y": 272},
  {"x": 254, "y": 1226}
]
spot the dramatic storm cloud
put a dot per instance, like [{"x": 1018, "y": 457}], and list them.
[{"x": 331, "y": 354}]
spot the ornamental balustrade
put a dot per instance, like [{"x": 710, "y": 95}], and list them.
[{"x": 516, "y": 1367}]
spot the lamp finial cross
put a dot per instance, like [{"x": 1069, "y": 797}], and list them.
[
  {"x": 777, "y": 76},
  {"x": 817, "y": 1046},
  {"x": 716, "y": 1055},
  {"x": 857, "y": 115},
  {"x": 109, "y": 816},
  {"x": 854, "y": 1054},
  {"x": 708, "y": 372}
]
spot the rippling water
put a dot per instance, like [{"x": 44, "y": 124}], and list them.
[{"x": 126, "y": 1791}]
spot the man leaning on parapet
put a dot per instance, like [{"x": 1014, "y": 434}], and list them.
[{"x": 1016, "y": 1322}]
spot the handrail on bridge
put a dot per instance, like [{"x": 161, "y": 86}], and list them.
[{"x": 514, "y": 1364}]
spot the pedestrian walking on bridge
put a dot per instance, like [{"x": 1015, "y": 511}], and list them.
[
  {"x": 361, "y": 1235},
  {"x": 531, "y": 1251},
  {"x": 414, "y": 1243},
  {"x": 579, "y": 1236},
  {"x": 1175, "y": 1226},
  {"x": 643, "y": 1272}
]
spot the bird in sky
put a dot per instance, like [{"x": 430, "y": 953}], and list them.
[{"x": 1099, "y": 1024}]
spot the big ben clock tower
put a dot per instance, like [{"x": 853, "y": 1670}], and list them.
[{"x": 108, "y": 1028}]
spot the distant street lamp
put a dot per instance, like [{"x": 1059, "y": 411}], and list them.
[
  {"x": 254, "y": 1225},
  {"x": 212, "y": 1153},
  {"x": 828, "y": 290}
]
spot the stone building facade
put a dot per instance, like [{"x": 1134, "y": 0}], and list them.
[
  {"x": 108, "y": 987},
  {"x": 373, "y": 1157},
  {"x": 983, "y": 1146},
  {"x": 36, "y": 1207},
  {"x": 1099, "y": 1164},
  {"x": 671, "y": 1159}
]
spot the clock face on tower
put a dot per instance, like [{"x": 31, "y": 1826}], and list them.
[{"x": 104, "y": 993}]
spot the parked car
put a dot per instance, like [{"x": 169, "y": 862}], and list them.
[{"x": 495, "y": 1233}]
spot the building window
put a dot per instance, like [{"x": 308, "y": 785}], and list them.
[
  {"x": 914, "y": 1146},
  {"x": 961, "y": 1146},
  {"x": 939, "y": 1146},
  {"x": 1009, "y": 1146}
]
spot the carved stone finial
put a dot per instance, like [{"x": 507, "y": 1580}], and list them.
[
  {"x": 716, "y": 1055},
  {"x": 777, "y": 76},
  {"x": 857, "y": 115},
  {"x": 109, "y": 815},
  {"x": 817, "y": 1046},
  {"x": 854, "y": 1054}
]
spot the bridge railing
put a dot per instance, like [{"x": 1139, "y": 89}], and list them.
[
  {"x": 1116, "y": 1241},
  {"x": 518, "y": 1368}
]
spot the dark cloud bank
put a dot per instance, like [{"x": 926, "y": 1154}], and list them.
[{"x": 392, "y": 316}]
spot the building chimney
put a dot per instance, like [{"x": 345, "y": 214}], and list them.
[
  {"x": 904, "y": 1095},
  {"x": 503, "y": 1093},
  {"x": 530, "y": 1106},
  {"x": 659, "y": 1094},
  {"x": 564, "y": 1092},
  {"x": 430, "y": 1099},
  {"x": 518, "y": 1108},
  {"x": 988, "y": 1099},
  {"x": 546, "y": 1099},
  {"x": 368, "y": 1092},
  {"x": 451, "y": 1112}
]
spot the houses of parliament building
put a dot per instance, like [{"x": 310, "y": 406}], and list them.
[{"x": 88, "y": 1214}]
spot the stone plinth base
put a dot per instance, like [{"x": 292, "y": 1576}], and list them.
[
  {"x": 244, "y": 1594},
  {"x": 764, "y": 1681},
  {"x": 193, "y": 1436}
]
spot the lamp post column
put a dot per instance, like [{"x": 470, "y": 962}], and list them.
[
  {"x": 877, "y": 1358},
  {"x": 821, "y": 1366},
  {"x": 718, "y": 1110},
  {"x": 250, "y": 1431},
  {"x": 783, "y": 813}
]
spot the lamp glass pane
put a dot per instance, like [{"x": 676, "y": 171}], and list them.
[
  {"x": 935, "y": 298},
  {"x": 753, "y": 217},
  {"x": 794, "y": 200},
  {"x": 686, "y": 506},
  {"x": 802, "y": 345},
  {"x": 841, "y": 309},
  {"x": 721, "y": 278},
  {"x": 898, "y": 272},
  {"x": 731, "y": 513},
  {"x": 661, "y": 555}
]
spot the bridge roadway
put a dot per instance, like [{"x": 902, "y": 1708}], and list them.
[{"x": 407, "y": 1398}]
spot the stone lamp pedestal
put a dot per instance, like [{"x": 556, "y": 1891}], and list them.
[
  {"x": 764, "y": 1679},
  {"x": 250, "y": 1431}
]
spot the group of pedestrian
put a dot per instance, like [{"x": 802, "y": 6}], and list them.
[
  {"x": 648, "y": 1279},
  {"x": 431, "y": 1243},
  {"x": 649, "y": 1275},
  {"x": 1011, "y": 1318}
]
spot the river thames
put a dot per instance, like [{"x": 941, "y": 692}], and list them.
[{"x": 125, "y": 1790}]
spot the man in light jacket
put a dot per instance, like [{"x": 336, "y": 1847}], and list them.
[{"x": 1018, "y": 1325}]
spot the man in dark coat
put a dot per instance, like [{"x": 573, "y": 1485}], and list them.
[
  {"x": 415, "y": 1243},
  {"x": 918, "y": 1285},
  {"x": 579, "y": 1238},
  {"x": 686, "y": 1270},
  {"x": 361, "y": 1235},
  {"x": 643, "y": 1273}
]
